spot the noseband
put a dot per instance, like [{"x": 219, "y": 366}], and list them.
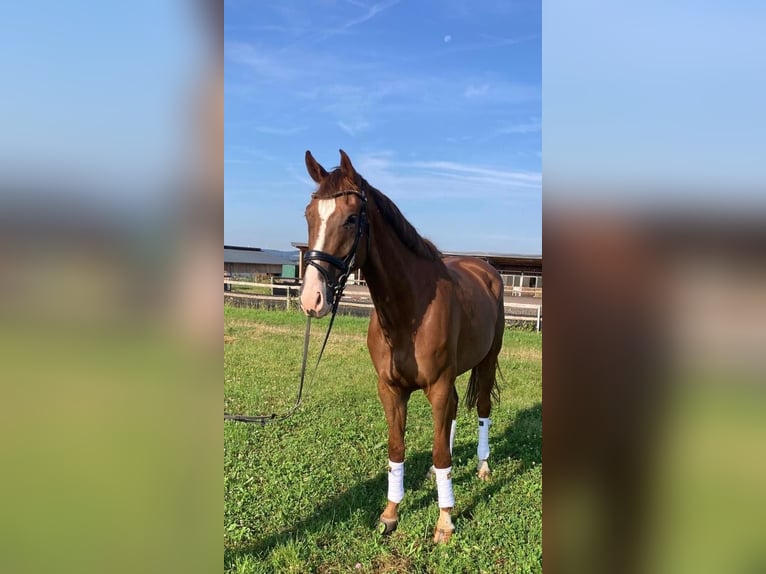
[{"x": 345, "y": 265}]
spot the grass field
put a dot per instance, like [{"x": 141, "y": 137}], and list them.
[{"x": 305, "y": 495}]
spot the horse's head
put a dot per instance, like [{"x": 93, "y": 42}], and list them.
[{"x": 337, "y": 221}]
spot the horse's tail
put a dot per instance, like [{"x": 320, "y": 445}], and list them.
[
  {"x": 489, "y": 368},
  {"x": 483, "y": 379},
  {"x": 472, "y": 392}
]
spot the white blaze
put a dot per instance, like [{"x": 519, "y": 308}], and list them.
[
  {"x": 313, "y": 281},
  {"x": 326, "y": 208}
]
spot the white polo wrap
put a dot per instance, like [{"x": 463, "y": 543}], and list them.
[
  {"x": 444, "y": 487},
  {"x": 395, "y": 481},
  {"x": 483, "y": 450}
]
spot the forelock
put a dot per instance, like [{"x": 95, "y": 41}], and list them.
[{"x": 334, "y": 182}]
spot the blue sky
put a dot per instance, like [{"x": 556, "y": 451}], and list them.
[
  {"x": 97, "y": 96},
  {"x": 669, "y": 116},
  {"x": 438, "y": 104}
]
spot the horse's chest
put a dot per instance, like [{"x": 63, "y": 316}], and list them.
[
  {"x": 406, "y": 359},
  {"x": 409, "y": 365},
  {"x": 403, "y": 364}
]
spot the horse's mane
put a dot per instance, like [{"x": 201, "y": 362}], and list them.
[
  {"x": 408, "y": 235},
  {"x": 404, "y": 230}
]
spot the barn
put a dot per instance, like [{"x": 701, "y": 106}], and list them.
[
  {"x": 522, "y": 274},
  {"x": 251, "y": 262}
]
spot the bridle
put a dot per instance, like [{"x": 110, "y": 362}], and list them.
[
  {"x": 335, "y": 288},
  {"x": 345, "y": 265}
]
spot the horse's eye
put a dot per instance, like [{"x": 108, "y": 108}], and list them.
[{"x": 351, "y": 220}]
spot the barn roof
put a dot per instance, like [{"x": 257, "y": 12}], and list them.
[
  {"x": 504, "y": 259},
  {"x": 255, "y": 255}
]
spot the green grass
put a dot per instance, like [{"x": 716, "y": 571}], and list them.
[
  {"x": 305, "y": 495},
  {"x": 251, "y": 289}
]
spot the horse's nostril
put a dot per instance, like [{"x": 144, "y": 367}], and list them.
[{"x": 319, "y": 299}]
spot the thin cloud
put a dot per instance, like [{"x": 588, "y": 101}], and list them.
[
  {"x": 428, "y": 180},
  {"x": 358, "y": 4},
  {"x": 253, "y": 152},
  {"x": 353, "y": 128},
  {"x": 492, "y": 40},
  {"x": 522, "y": 128},
  {"x": 449, "y": 167},
  {"x": 278, "y": 131},
  {"x": 265, "y": 65},
  {"x": 323, "y": 83},
  {"x": 423, "y": 189},
  {"x": 487, "y": 43},
  {"x": 276, "y": 28},
  {"x": 372, "y": 11},
  {"x": 502, "y": 92},
  {"x": 474, "y": 91}
]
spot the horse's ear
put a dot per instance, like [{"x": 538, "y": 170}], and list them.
[
  {"x": 345, "y": 166},
  {"x": 316, "y": 171}
]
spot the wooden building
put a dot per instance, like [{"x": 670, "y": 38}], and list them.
[
  {"x": 249, "y": 262},
  {"x": 519, "y": 272}
]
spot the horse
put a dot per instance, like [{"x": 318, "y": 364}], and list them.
[{"x": 434, "y": 318}]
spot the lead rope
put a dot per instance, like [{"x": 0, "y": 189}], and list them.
[
  {"x": 348, "y": 265},
  {"x": 274, "y": 417}
]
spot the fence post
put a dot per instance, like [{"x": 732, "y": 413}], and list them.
[{"x": 539, "y": 307}]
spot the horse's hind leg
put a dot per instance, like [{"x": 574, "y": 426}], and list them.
[
  {"x": 484, "y": 377},
  {"x": 484, "y": 373}
]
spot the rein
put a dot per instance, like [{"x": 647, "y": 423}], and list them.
[
  {"x": 345, "y": 265},
  {"x": 274, "y": 417}
]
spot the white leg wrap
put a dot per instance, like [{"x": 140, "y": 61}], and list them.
[
  {"x": 452, "y": 436},
  {"x": 483, "y": 450},
  {"x": 444, "y": 487},
  {"x": 395, "y": 481}
]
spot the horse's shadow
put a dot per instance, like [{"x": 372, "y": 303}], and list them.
[{"x": 505, "y": 445}]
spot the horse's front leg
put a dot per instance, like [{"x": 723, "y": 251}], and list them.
[
  {"x": 395, "y": 406},
  {"x": 443, "y": 401},
  {"x": 431, "y": 474}
]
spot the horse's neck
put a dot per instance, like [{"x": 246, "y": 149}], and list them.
[{"x": 398, "y": 279}]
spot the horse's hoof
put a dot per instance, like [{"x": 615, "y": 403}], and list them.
[
  {"x": 442, "y": 535},
  {"x": 386, "y": 526},
  {"x": 484, "y": 473}
]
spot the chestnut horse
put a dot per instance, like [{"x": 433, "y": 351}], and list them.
[{"x": 435, "y": 318}]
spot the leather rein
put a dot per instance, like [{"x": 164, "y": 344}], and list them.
[{"x": 335, "y": 288}]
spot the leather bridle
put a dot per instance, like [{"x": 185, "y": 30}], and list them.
[{"x": 345, "y": 265}]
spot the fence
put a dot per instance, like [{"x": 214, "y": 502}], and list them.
[{"x": 514, "y": 312}]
